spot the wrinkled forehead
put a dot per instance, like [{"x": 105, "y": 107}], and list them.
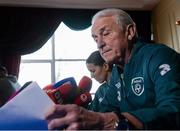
[{"x": 101, "y": 23}]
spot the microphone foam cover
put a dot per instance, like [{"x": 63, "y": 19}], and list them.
[{"x": 85, "y": 84}]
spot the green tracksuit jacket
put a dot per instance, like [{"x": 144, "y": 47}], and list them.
[
  {"x": 100, "y": 102},
  {"x": 149, "y": 86}
]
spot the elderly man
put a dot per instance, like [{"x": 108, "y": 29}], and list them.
[{"x": 147, "y": 89}]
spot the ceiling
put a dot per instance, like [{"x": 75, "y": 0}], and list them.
[{"x": 84, "y": 4}]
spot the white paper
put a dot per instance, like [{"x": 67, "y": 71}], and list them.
[{"x": 26, "y": 110}]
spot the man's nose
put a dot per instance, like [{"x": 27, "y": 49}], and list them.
[{"x": 100, "y": 43}]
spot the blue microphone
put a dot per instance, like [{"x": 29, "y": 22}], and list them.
[{"x": 69, "y": 80}]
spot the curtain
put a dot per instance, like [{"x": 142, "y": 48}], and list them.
[
  {"x": 143, "y": 23},
  {"x": 78, "y": 19},
  {"x": 25, "y": 30}
]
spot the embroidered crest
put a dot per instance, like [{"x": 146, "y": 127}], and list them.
[
  {"x": 164, "y": 69},
  {"x": 137, "y": 85}
]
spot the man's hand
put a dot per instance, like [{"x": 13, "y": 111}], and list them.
[{"x": 72, "y": 117}]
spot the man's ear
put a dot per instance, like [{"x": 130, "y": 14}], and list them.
[
  {"x": 106, "y": 66},
  {"x": 131, "y": 31}
]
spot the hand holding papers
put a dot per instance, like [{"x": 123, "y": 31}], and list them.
[{"x": 26, "y": 110}]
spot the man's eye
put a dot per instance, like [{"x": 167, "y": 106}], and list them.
[{"x": 105, "y": 33}]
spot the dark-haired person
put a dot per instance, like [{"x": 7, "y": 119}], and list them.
[
  {"x": 101, "y": 72},
  {"x": 3, "y": 72},
  {"x": 8, "y": 85},
  {"x": 148, "y": 92}
]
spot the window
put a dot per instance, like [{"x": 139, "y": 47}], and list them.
[{"x": 62, "y": 56}]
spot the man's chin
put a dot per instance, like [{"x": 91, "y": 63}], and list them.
[
  {"x": 109, "y": 61},
  {"x": 117, "y": 62}
]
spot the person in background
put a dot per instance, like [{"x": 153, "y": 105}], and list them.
[
  {"x": 8, "y": 85},
  {"x": 101, "y": 72},
  {"x": 5, "y": 75},
  {"x": 3, "y": 72},
  {"x": 147, "y": 89}
]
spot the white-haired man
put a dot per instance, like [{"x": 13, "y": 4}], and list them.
[{"x": 147, "y": 90}]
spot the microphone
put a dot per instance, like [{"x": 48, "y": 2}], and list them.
[
  {"x": 83, "y": 100},
  {"x": 84, "y": 85},
  {"x": 62, "y": 94},
  {"x": 48, "y": 87},
  {"x": 70, "y": 80},
  {"x": 66, "y": 90},
  {"x": 83, "y": 90},
  {"x": 57, "y": 92}
]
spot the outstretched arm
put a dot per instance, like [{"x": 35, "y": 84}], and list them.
[{"x": 73, "y": 117}]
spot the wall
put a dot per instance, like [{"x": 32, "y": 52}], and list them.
[{"x": 164, "y": 17}]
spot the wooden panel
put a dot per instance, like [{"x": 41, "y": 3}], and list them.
[
  {"x": 164, "y": 30},
  {"x": 177, "y": 27},
  {"x": 164, "y": 17}
]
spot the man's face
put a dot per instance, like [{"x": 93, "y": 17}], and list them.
[{"x": 111, "y": 40}]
